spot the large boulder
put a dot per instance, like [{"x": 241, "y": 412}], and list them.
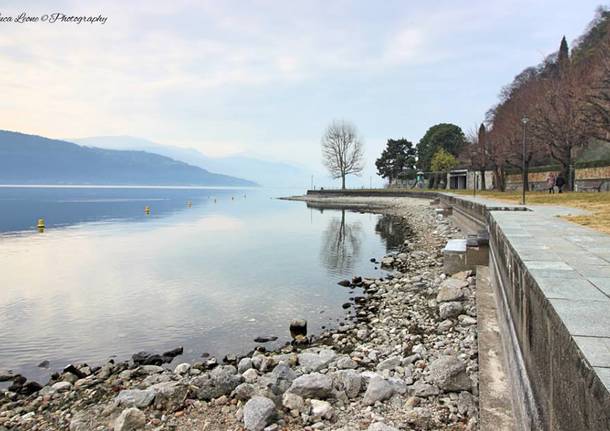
[
  {"x": 451, "y": 290},
  {"x": 169, "y": 396},
  {"x": 258, "y": 412},
  {"x": 220, "y": 381},
  {"x": 280, "y": 379},
  {"x": 315, "y": 361},
  {"x": 378, "y": 389},
  {"x": 349, "y": 381},
  {"x": 313, "y": 385},
  {"x": 449, "y": 374}
]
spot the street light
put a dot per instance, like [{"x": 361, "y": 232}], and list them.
[{"x": 524, "y": 120}]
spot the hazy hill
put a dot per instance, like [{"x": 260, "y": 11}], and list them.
[
  {"x": 30, "y": 159},
  {"x": 263, "y": 172}
]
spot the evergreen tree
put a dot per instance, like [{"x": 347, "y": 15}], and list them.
[
  {"x": 444, "y": 135},
  {"x": 397, "y": 160},
  {"x": 563, "y": 57}
]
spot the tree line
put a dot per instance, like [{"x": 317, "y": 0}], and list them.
[{"x": 557, "y": 108}]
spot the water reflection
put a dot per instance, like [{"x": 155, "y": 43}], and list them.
[
  {"x": 341, "y": 243},
  {"x": 393, "y": 230},
  {"x": 210, "y": 277}
]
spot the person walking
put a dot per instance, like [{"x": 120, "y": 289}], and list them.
[
  {"x": 560, "y": 182},
  {"x": 550, "y": 182}
]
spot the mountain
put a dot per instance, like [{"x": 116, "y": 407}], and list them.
[
  {"x": 30, "y": 159},
  {"x": 264, "y": 172}
]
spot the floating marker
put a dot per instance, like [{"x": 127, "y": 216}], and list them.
[
  {"x": 147, "y": 210},
  {"x": 232, "y": 198},
  {"x": 214, "y": 200},
  {"x": 189, "y": 204},
  {"x": 41, "y": 226}
]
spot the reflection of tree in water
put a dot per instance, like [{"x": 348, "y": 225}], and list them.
[
  {"x": 393, "y": 231},
  {"x": 341, "y": 244}
]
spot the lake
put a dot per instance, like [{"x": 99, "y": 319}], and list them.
[{"x": 207, "y": 269}]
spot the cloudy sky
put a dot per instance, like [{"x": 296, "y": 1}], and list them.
[{"x": 266, "y": 77}]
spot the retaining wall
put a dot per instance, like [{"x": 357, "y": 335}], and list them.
[{"x": 557, "y": 386}]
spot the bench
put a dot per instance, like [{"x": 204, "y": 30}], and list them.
[{"x": 593, "y": 186}]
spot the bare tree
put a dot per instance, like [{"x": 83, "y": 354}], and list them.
[{"x": 342, "y": 150}]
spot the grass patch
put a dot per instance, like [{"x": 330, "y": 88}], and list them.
[{"x": 597, "y": 203}]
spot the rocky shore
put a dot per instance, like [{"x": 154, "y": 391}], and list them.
[{"x": 407, "y": 361}]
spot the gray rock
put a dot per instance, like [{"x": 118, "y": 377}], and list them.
[
  {"x": 221, "y": 381},
  {"x": 316, "y": 361},
  {"x": 446, "y": 293},
  {"x": 423, "y": 389},
  {"x": 467, "y": 320},
  {"x": 62, "y": 386},
  {"x": 6, "y": 375},
  {"x": 280, "y": 379},
  {"x": 349, "y": 381},
  {"x": 313, "y": 385},
  {"x": 389, "y": 364},
  {"x": 378, "y": 389},
  {"x": 169, "y": 396},
  {"x": 135, "y": 398},
  {"x": 130, "y": 419},
  {"x": 244, "y": 392},
  {"x": 258, "y": 412},
  {"x": 448, "y": 310},
  {"x": 346, "y": 363},
  {"x": 151, "y": 369},
  {"x": 244, "y": 365},
  {"x": 449, "y": 374}
]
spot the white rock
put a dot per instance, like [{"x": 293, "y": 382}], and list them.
[
  {"x": 250, "y": 375},
  {"x": 130, "y": 419},
  {"x": 321, "y": 409},
  {"x": 182, "y": 368}
]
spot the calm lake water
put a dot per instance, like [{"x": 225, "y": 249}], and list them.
[{"x": 105, "y": 279}]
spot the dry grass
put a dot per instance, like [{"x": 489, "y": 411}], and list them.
[{"x": 597, "y": 203}]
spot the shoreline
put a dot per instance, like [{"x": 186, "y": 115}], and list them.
[{"x": 204, "y": 396}]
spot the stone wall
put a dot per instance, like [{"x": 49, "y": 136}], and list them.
[{"x": 584, "y": 177}]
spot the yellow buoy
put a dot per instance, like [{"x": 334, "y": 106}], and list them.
[
  {"x": 41, "y": 225},
  {"x": 147, "y": 210}
]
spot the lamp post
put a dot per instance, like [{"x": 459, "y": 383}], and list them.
[{"x": 524, "y": 120}]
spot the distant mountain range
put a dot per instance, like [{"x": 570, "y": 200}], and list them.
[
  {"x": 263, "y": 172},
  {"x": 30, "y": 159}
]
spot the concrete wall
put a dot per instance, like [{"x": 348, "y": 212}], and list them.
[{"x": 556, "y": 388}]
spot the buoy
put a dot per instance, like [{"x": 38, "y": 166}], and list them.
[
  {"x": 214, "y": 200},
  {"x": 189, "y": 204},
  {"x": 232, "y": 198},
  {"x": 41, "y": 225},
  {"x": 147, "y": 210}
]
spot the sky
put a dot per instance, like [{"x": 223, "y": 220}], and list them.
[{"x": 265, "y": 78}]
